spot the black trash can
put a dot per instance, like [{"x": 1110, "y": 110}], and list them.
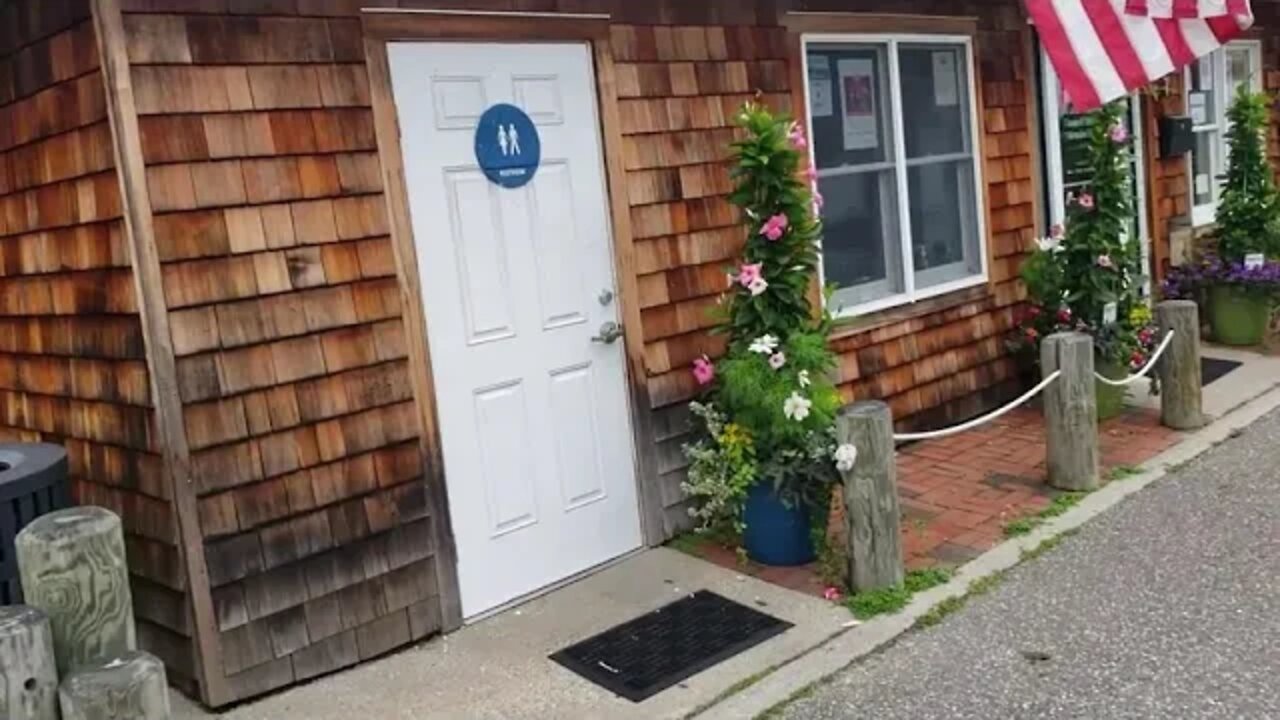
[{"x": 33, "y": 482}]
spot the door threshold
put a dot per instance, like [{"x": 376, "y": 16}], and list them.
[{"x": 557, "y": 585}]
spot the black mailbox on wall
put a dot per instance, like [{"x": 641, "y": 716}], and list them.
[{"x": 1177, "y": 136}]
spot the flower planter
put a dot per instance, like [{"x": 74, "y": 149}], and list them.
[
  {"x": 776, "y": 534},
  {"x": 1238, "y": 317},
  {"x": 1110, "y": 398}
]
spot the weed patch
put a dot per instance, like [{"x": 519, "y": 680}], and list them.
[{"x": 890, "y": 600}]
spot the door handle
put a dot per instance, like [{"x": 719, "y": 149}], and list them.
[{"x": 609, "y": 333}]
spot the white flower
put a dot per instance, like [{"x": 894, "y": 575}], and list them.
[
  {"x": 797, "y": 407},
  {"x": 777, "y": 360},
  {"x": 804, "y": 378},
  {"x": 764, "y": 345},
  {"x": 1050, "y": 244},
  {"x": 846, "y": 455},
  {"x": 758, "y": 286}
]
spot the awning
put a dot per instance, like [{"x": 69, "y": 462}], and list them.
[{"x": 1106, "y": 49}]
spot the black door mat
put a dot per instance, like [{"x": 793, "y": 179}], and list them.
[
  {"x": 1213, "y": 369},
  {"x": 647, "y": 655}
]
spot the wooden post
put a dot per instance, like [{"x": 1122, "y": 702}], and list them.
[
  {"x": 73, "y": 568},
  {"x": 129, "y": 687},
  {"x": 1180, "y": 392},
  {"x": 1070, "y": 412},
  {"x": 871, "y": 512},
  {"x": 28, "y": 672}
]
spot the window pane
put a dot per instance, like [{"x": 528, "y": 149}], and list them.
[
  {"x": 860, "y": 246},
  {"x": 1201, "y": 103},
  {"x": 1203, "y": 164},
  {"x": 1239, "y": 68},
  {"x": 944, "y": 223},
  {"x": 849, "y": 104},
  {"x": 935, "y": 99}
]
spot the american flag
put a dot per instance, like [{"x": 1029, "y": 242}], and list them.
[{"x": 1106, "y": 49}]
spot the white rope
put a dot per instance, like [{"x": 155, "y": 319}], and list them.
[
  {"x": 1164, "y": 345},
  {"x": 946, "y": 432}
]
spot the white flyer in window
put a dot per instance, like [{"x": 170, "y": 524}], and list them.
[
  {"x": 1109, "y": 313},
  {"x": 1199, "y": 106},
  {"x": 1202, "y": 184},
  {"x": 946, "y": 84},
  {"x": 821, "y": 102},
  {"x": 858, "y": 87}
]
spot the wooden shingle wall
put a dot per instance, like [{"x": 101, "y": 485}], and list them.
[
  {"x": 72, "y": 361},
  {"x": 285, "y": 314},
  {"x": 932, "y": 364}
]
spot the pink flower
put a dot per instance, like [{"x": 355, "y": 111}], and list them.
[
  {"x": 1064, "y": 316},
  {"x": 1137, "y": 360},
  {"x": 831, "y": 594},
  {"x": 750, "y": 273},
  {"x": 777, "y": 360},
  {"x": 757, "y": 286},
  {"x": 775, "y": 227},
  {"x": 1145, "y": 336},
  {"x": 703, "y": 370},
  {"x": 819, "y": 202},
  {"x": 1057, "y": 232},
  {"x": 811, "y": 174},
  {"x": 1104, "y": 261},
  {"x": 1119, "y": 134},
  {"x": 797, "y": 138},
  {"x": 1085, "y": 200}
]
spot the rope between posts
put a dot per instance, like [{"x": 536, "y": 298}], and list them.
[
  {"x": 956, "y": 430},
  {"x": 1164, "y": 345}
]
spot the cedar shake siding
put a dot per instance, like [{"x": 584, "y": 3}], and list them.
[{"x": 73, "y": 365}]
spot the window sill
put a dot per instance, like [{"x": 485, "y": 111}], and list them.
[{"x": 858, "y": 324}]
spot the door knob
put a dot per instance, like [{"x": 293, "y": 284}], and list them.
[{"x": 609, "y": 333}]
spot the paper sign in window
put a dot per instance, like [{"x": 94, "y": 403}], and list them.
[
  {"x": 858, "y": 93},
  {"x": 821, "y": 100},
  {"x": 946, "y": 85}
]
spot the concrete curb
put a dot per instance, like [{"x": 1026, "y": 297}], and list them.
[{"x": 827, "y": 659}]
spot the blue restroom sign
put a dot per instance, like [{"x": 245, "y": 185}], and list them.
[{"x": 507, "y": 146}]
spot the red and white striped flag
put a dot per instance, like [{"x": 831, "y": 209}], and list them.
[{"x": 1106, "y": 49}]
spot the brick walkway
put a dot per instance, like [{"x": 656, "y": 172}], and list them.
[{"x": 958, "y": 493}]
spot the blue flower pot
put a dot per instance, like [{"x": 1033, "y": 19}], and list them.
[{"x": 776, "y": 534}]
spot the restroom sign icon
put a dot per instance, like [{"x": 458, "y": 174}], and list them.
[{"x": 508, "y": 148}]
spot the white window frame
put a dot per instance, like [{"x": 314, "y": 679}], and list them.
[
  {"x": 900, "y": 164},
  {"x": 1207, "y": 214}
]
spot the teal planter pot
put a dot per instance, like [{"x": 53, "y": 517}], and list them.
[
  {"x": 776, "y": 534},
  {"x": 1238, "y": 318}
]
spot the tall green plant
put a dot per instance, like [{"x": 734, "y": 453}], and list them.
[
  {"x": 769, "y": 414},
  {"x": 1095, "y": 260},
  {"x": 1249, "y": 213},
  {"x": 780, "y": 257}
]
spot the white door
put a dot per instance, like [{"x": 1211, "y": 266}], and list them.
[{"x": 517, "y": 283}]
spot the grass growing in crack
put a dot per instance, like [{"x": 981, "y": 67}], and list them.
[
  {"x": 890, "y": 600},
  {"x": 1058, "y": 506},
  {"x": 1046, "y": 545},
  {"x": 1120, "y": 472},
  {"x": 981, "y": 586}
]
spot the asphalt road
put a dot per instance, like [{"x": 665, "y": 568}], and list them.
[{"x": 1168, "y": 606}]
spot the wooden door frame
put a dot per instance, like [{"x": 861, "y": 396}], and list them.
[{"x": 382, "y": 27}]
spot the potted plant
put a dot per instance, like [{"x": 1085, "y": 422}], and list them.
[
  {"x": 1248, "y": 228},
  {"x": 766, "y": 459},
  {"x": 1247, "y": 293},
  {"x": 1084, "y": 276}
]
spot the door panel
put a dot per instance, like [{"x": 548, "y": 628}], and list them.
[{"x": 533, "y": 413}]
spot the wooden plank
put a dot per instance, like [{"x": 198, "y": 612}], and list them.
[
  {"x": 628, "y": 297},
  {"x": 387, "y": 128},
  {"x": 153, "y": 315}
]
